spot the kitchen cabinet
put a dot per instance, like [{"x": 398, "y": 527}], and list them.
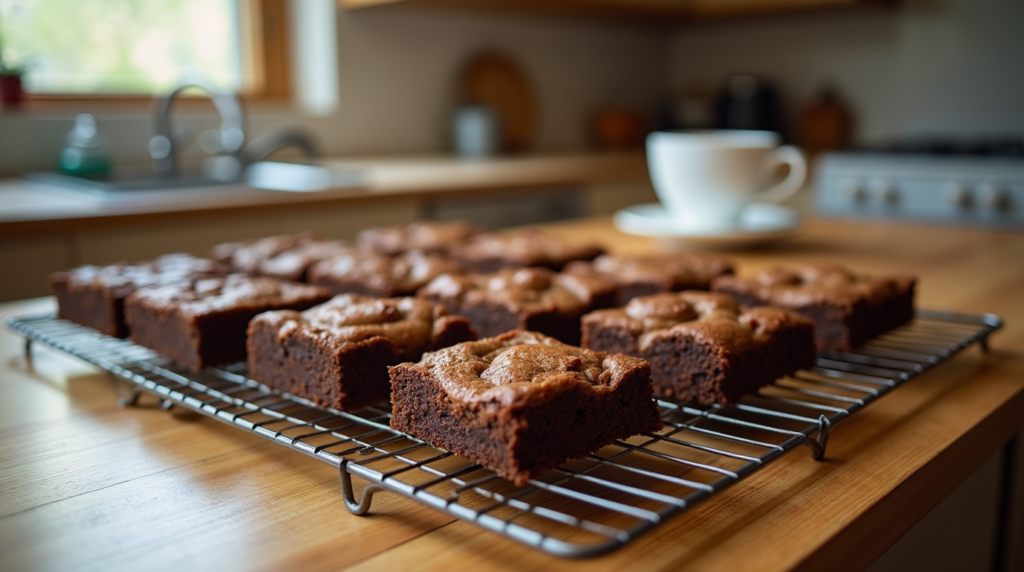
[{"x": 664, "y": 11}]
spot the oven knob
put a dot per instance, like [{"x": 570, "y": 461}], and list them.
[
  {"x": 854, "y": 191},
  {"x": 996, "y": 196},
  {"x": 885, "y": 191},
  {"x": 960, "y": 196}
]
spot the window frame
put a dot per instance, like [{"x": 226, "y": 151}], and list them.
[{"x": 266, "y": 63}]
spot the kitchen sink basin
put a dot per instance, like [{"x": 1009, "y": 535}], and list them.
[
  {"x": 123, "y": 184},
  {"x": 267, "y": 175}
]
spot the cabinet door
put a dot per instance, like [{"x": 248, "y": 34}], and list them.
[{"x": 27, "y": 262}]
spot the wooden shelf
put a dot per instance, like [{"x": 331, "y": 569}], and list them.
[{"x": 666, "y": 11}]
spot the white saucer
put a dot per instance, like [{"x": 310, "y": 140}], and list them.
[{"x": 759, "y": 223}]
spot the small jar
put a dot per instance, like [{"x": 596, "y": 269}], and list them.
[{"x": 86, "y": 152}]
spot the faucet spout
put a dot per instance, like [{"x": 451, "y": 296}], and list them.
[{"x": 228, "y": 140}]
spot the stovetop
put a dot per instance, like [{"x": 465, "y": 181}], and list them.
[{"x": 973, "y": 182}]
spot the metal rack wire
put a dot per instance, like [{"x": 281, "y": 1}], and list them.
[{"x": 583, "y": 508}]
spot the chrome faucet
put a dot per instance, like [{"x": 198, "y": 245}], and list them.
[{"x": 226, "y": 142}]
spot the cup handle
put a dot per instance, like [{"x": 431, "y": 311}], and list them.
[{"x": 785, "y": 155}]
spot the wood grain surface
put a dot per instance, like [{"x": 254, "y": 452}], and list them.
[{"x": 91, "y": 486}]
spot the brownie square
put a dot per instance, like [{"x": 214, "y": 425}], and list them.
[
  {"x": 203, "y": 322},
  {"x": 848, "y": 309},
  {"x": 522, "y": 403},
  {"x": 94, "y": 295},
  {"x": 654, "y": 274},
  {"x": 489, "y": 252},
  {"x": 337, "y": 354},
  {"x": 534, "y": 299},
  {"x": 703, "y": 347},
  {"x": 364, "y": 271},
  {"x": 425, "y": 236},
  {"x": 287, "y": 257}
]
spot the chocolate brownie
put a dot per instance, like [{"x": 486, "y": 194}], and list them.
[
  {"x": 656, "y": 273},
  {"x": 94, "y": 295},
  {"x": 489, "y": 252},
  {"x": 534, "y": 299},
  {"x": 522, "y": 403},
  {"x": 364, "y": 271},
  {"x": 203, "y": 322},
  {"x": 287, "y": 257},
  {"x": 337, "y": 354},
  {"x": 703, "y": 347},
  {"x": 425, "y": 236},
  {"x": 848, "y": 309}
]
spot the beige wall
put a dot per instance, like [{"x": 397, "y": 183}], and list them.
[
  {"x": 925, "y": 67},
  {"x": 397, "y": 69}
]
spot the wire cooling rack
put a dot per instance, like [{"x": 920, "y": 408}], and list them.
[{"x": 584, "y": 507}]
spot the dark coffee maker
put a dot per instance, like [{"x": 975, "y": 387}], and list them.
[{"x": 747, "y": 102}]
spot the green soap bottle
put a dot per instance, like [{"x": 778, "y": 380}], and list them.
[{"x": 86, "y": 152}]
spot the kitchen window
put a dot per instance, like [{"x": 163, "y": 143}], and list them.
[{"x": 123, "y": 49}]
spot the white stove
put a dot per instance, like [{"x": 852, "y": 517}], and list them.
[{"x": 971, "y": 189}]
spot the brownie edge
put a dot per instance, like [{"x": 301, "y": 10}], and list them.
[
  {"x": 337, "y": 354},
  {"x": 94, "y": 296},
  {"x": 522, "y": 403},
  {"x": 848, "y": 308},
  {"x": 704, "y": 347},
  {"x": 203, "y": 323}
]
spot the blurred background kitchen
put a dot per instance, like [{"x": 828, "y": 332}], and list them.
[
  {"x": 375, "y": 87},
  {"x": 381, "y": 79},
  {"x": 503, "y": 111}
]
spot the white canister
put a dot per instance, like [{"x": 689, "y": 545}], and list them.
[{"x": 476, "y": 131}]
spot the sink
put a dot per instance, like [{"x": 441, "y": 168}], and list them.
[
  {"x": 124, "y": 184},
  {"x": 268, "y": 175},
  {"x": 231, "y": 159}
]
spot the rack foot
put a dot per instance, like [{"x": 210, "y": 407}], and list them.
[
  {"x": 132, "y": 399},
  {"x": 361, "y": 507},
  {"x": 28, "y": 353},
  {"x": 819, "y": 444}
]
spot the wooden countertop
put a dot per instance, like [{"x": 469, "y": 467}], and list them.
[
  {"x": 31, "y": 208},
  {"x": 88, "y": 485}
]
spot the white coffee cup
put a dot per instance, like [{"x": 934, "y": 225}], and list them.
[{"x": 705, "y": 178}]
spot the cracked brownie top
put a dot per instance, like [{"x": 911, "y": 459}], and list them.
[
  {"x": 707, "y": 317},
  {"x": 803, "y": 286},
  {"x": 530, "y": 289},
  {"x": 428, "y": 236},
  {"x": 227, "y": 293},
  {"x": 520, "y": 365},
  {"x": 409, "y": 323}
]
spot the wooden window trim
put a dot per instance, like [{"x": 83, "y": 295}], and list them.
[{"x": 266, "y": 63}]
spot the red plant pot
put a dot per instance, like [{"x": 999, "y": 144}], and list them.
[{"x": 11, "y": 92}]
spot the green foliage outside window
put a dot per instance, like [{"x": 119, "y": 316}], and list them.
[{"x": 119, "y": 46}]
